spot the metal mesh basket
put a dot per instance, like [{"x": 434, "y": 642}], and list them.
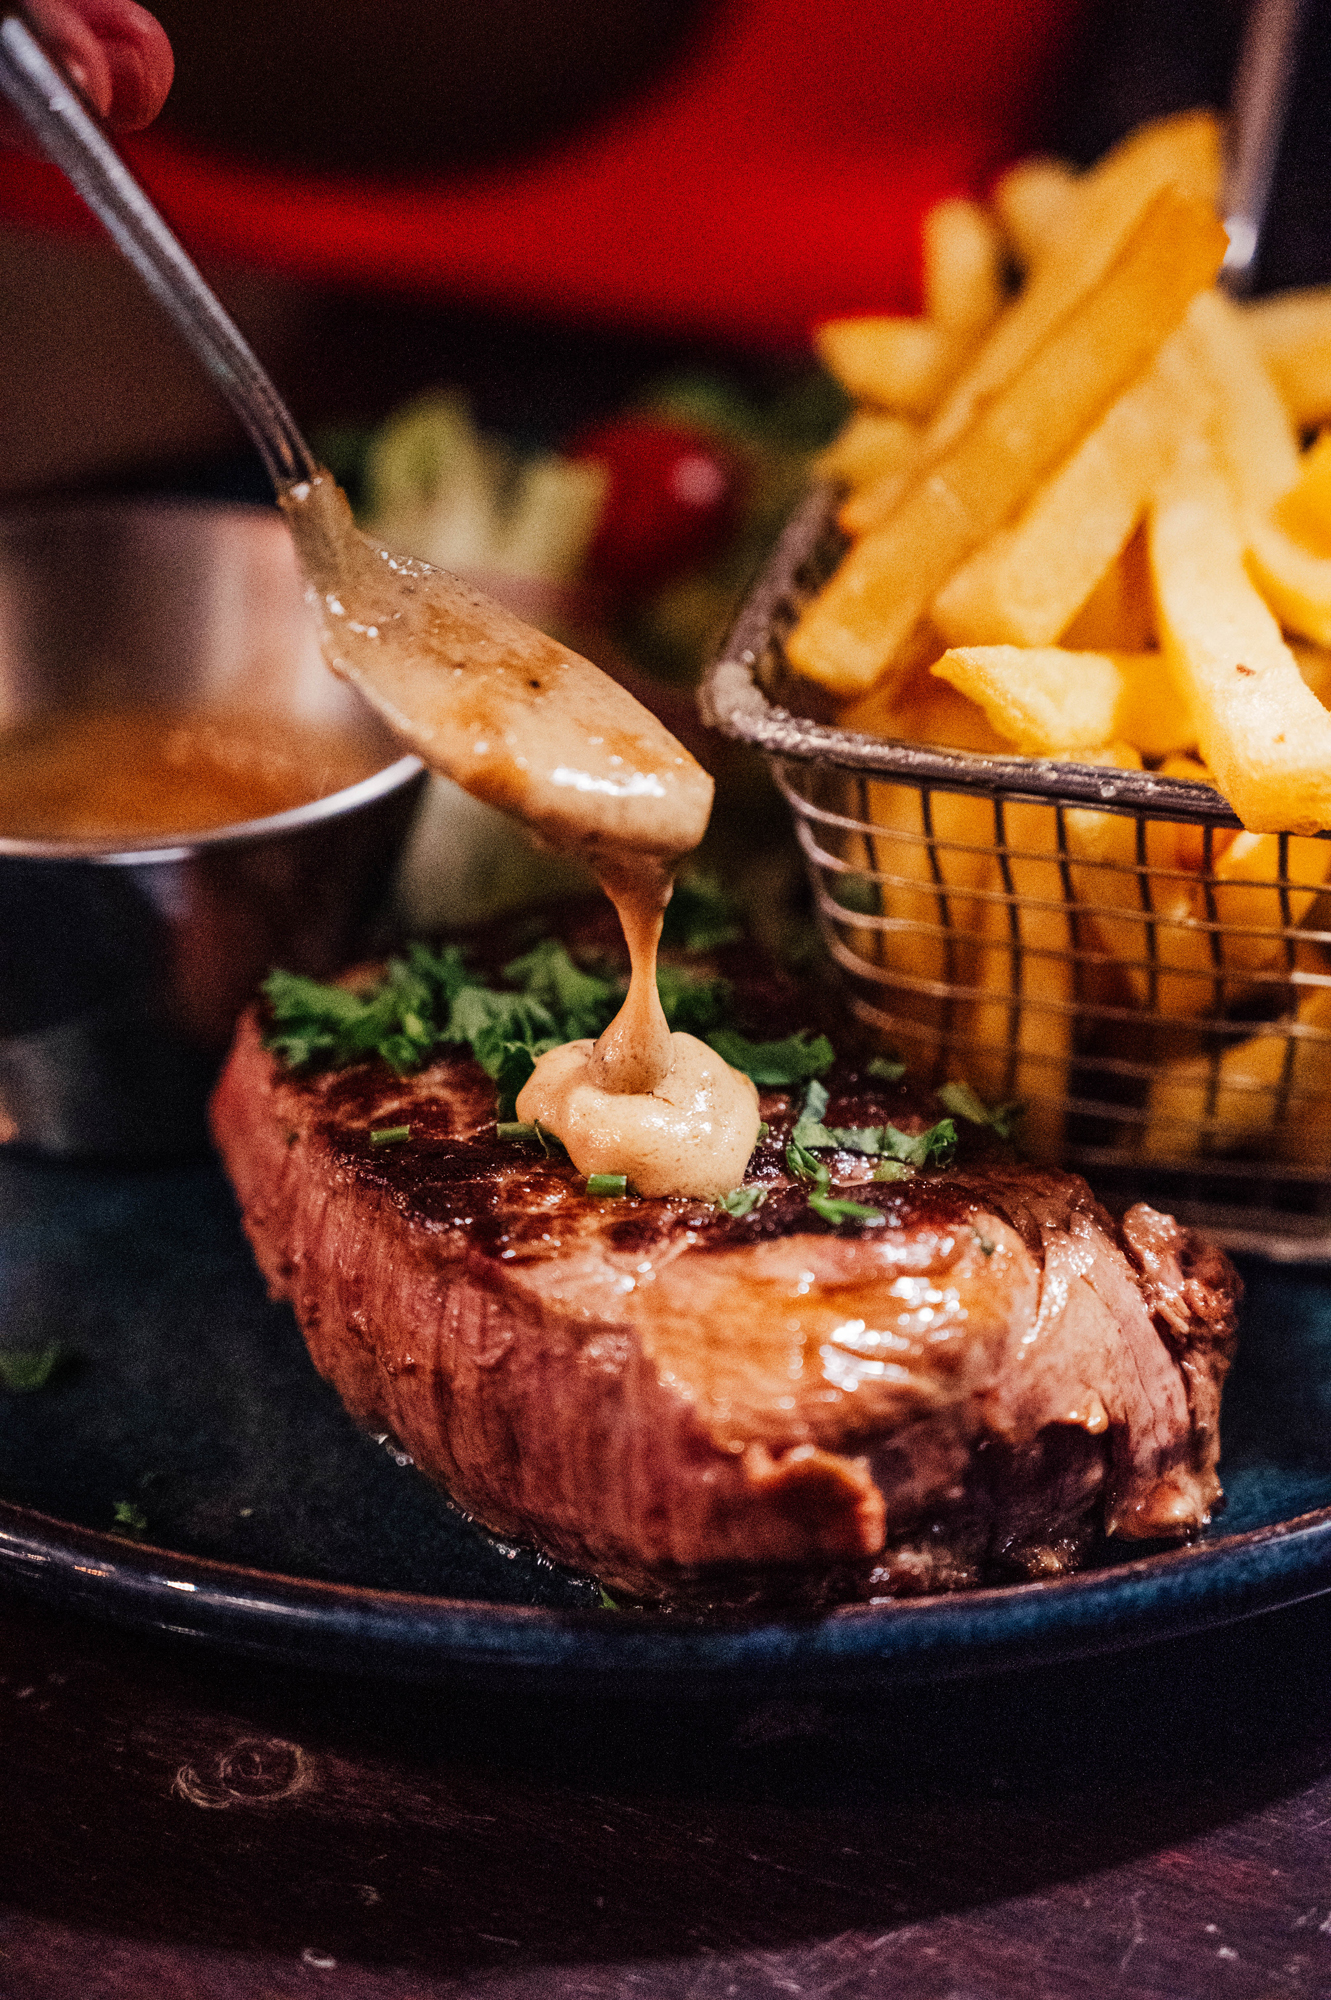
[{"x": 1104, "y": 945}]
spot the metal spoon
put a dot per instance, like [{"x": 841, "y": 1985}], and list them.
[{"x": 515, "y": 718}]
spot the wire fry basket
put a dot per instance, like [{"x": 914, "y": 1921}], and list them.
[{"x": 1106, "y": 946}]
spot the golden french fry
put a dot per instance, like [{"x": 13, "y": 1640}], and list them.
[
  {"x": 1207, "y": 1104},
  {"x": 1314, "y": 663},
  {"x": 1141, "y": 902},
  {"x": 1289, "y": 550},
  {"x": 1260, "y": 728},
  {"x": 1253, "y": 436},
  {"x": 1046, "y": 700},
  {"x": 1180, "y": 153},
  {"x": 1293, "y": 578},
  {"x": 1018, "y": 1027},
  {"x": 963, "y": 268},
  {"x": 1026, "y": 584},
  {"x": 1305, "y": 511},
  {"x": 1119, "y": 614},
  {"x": 924, "y": 711},
  {"x": 1249, "y": 900},
  {"x": 930, "y": 859},
  {"x": 1036, "y": 202},
  {"x": 871, "y": 443},
  {"x": 851, "y": 634},
  {"x": 1292, "y": 333},
  {"x": 895, "y": 363}
]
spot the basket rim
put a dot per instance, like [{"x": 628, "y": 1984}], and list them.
[{"x": 732, "y": 701}]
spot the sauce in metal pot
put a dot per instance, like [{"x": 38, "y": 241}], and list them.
[{"x": 130, "y": 774}]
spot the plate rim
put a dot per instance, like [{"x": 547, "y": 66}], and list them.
[{"x": 309, "y": 1622}]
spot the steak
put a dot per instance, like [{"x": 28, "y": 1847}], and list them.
[{"x": 715, "y": 1409}]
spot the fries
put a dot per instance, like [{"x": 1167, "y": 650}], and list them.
[
  {"x": 1292, "y": 334},
  {"x": 1036, "y": 203},
  {"x": 852, "y": 634},
  {"x": 1181, "y": 153},
  {"x": 1049, "y": 702},
  {"x": 901, "y": 365},
  {"x": 874, "y": 442},
  {"x": 1276, "y": 1083},
  {"x": 1092, "y": 531},
  {"x": 1260, "y": 728},
  {"x": 1028, "y": 582},
  {"x": 963, "y": 269}
]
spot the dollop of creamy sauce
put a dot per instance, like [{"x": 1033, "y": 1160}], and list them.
[
  {"x": 522, "y": 722},
  {"x": 691, "y": 1134}
]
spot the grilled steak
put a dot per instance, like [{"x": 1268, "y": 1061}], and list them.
[{"x": 711, "y": 1408}]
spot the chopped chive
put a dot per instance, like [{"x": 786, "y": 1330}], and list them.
[
  {"x": 390, "y": 1135},
  {"x": 834, "y": 1210},
  {"x": 513, "y": 1128},
  {"x": 608, "y": 1184}
]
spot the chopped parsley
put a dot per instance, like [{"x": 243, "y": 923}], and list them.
[
  {"x": 834, "y": 1210},
  {"x": 805, "y": 1166},
  {"x": 429, "y": 999},
  {"x": 130, "y": 1518},
  {"x": 612, "y": 1186},
  {"x": 967, "y": 1103},
  {"x": 932, "y": 1148},
  {"x": 915, "y": 1149},
  {"x": 742, "y": 1201},
  {"x": 581, "y": 1002},
  {"x": 700, "y": 916},
  {"x": 772, "y": 1064},
  {"x": 326, "y": 1027},
  {"x": 390, "y": 1135},
  {"x": 891, "y": 1170},
  {"x": 692, "y": 1004},
  {"x": 23, "y": 1369}
]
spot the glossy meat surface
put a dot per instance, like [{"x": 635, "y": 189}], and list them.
[{"x": 733, "y": 1410}]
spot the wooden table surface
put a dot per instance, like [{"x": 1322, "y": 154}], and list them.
[{"x": 1154, "y": 1824}]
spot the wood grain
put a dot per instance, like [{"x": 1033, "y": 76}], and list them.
[{"x": 1153, "y": 1825}]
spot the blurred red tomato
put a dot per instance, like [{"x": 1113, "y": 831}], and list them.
[{"x": 674, "y": 499}]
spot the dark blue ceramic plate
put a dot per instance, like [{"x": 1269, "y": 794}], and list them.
[{"x": 272, "y": 1525}]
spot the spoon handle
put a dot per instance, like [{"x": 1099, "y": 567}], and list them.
[
  {"x": 54, "y": 113},
  {"x": 1263, "y": 81}
]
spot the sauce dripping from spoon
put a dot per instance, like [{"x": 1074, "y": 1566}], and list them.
[{"x": 522, "y": 722}]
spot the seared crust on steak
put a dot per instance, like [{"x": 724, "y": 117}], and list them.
[{"x": 733, "y": 1410}]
